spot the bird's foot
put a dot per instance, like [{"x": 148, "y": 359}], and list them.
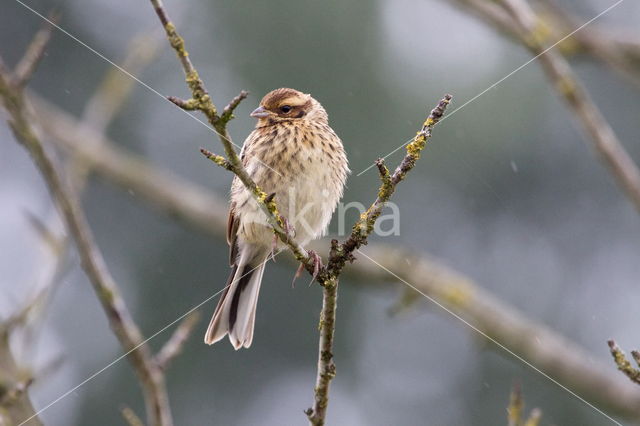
[
  {"x": 288, "y": 228},
  {"x": 317, "y": 264}
]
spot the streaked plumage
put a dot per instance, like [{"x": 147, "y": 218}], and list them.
[{"x": 295, "y": 154}]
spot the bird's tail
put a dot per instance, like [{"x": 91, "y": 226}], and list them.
[{"x": 236, "y": 311}]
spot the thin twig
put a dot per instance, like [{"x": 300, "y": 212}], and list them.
[
  {"x": 33, "y": 54},
  {"x": 515, "y": 410},
  {"x": 364, "y": 226},
  {"x": 623, "y": 363},
  {"x": 174, "y": 345},
  {"x": 515, "y": 407},
  {"x": 131, "y": 417},
  {"x": 15, "y": 405}
]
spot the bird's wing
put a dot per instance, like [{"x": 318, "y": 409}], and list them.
[
  {"x": 233, "y": 222},
  {"x": 232, "y": 233}
]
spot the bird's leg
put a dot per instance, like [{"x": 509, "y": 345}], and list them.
[
  {"x": 288, "y": 229},
  {"x": 317, "y": 264},
  {"x": 297, "y": 275}
]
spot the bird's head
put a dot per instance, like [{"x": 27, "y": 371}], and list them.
[{"x": 288, "y": 105}]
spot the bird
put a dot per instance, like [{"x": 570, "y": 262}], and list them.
[{"x": 294, "y": 154}]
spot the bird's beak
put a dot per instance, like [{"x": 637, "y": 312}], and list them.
[{"x": 259, "y": 112}]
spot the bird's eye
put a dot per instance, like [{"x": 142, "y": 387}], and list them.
[{"x": 286, "y": 108}]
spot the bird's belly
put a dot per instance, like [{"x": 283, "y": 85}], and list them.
[{"x": 306, "y": 198}]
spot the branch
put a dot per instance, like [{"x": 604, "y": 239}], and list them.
[
  {"x": 30, "y": 60},
  {"x": 173, "y": 346},
  {"x": 515, "y": 410},
  {"x": 342, "y": 253},
  {"x": 105, "y": 287},
  {"x": 197, "y": 207},
  {"x": 553, "y": 23},
  {"x": 364, "y": 226},
  {"x": 623, "y": 363},
  {"x": 15, "y": 405},
  {"x": 524, "y": 24}
]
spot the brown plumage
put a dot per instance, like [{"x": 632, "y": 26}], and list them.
[{"x": 295, "y": 154}]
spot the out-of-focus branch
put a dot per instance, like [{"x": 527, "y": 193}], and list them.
[
  {"x": 15, "y": 405},
  {"x": 621, "y": 53},
  {"x": 525, "y": 23},
  {"x": 32, "y": 56},
  {"x": 170, "y": 194},
  {"x": 543, "y": 348},
  {"x": 173, "y": 346},
  {"x": 616, "y": 50},
  {"x": 127, "y": 332},
  {"x": 197, "y": 207},
  {"x": 515, "y": 410},
  {"x": 109, "y": 99},
  {"x": 624, "y": 364}
]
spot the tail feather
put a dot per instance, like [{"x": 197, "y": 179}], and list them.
[
  {"x": 236, "y": 310},
  {"x": 241, "y": 332}
]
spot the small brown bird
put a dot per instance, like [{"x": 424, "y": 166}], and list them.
[{"x": 295, "y": 154}]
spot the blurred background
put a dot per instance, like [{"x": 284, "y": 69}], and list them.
[{"x": 507, "y": 192}]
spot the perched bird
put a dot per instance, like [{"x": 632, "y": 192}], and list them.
[{"x": 295, "y": 154}]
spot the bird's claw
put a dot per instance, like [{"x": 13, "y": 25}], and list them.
[
  {"x": 317, "y": 265},
  {"x": 288, "y": 228}
]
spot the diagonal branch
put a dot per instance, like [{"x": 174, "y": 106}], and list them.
[
  {"x": 32, "y": 56},
  {"x": 624, "y": 364},
  {"x": 524, "y": 26},
  {"x": 173, "y": 346}
]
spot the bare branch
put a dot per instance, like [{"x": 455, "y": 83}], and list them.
[
  {"x": 623, "y": 363},
  {"x": 364, "y": 226},
  {"x": 227, "y": 112},
  {"x": 516, "y": 406},
  {"x": 173, "y": 346},
  {"x": 220, "y": 161},
  {"x": 131, "y": 417},
  {"x": 188, "y": 105},
  {"x": 566, "y": 84},
  {"x": 553, "y": 23},
  {"x": 15, "y": 405},
  {"x": 34, "y": 53},
  {"x": 515, "y": 410}
]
